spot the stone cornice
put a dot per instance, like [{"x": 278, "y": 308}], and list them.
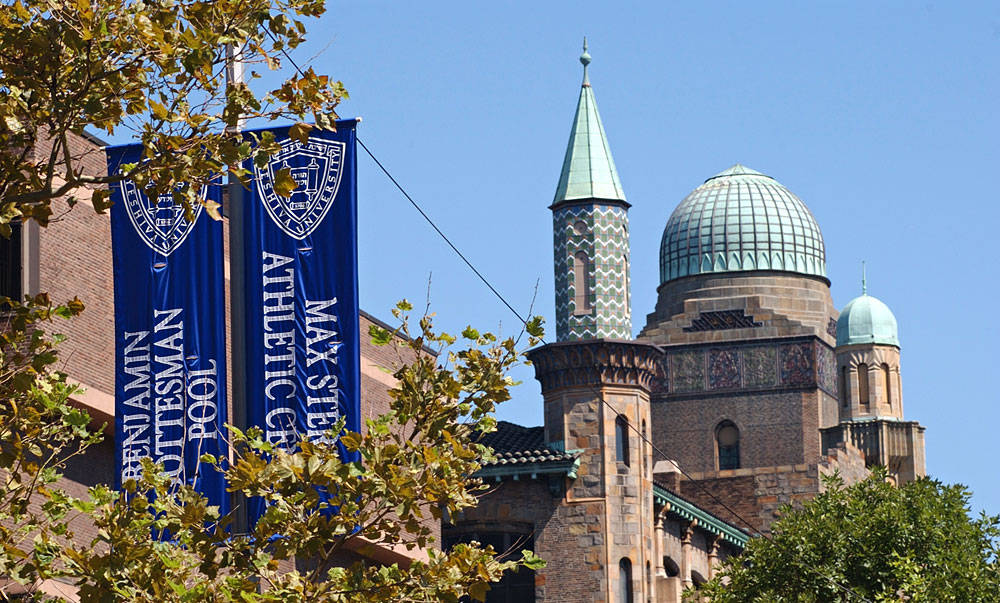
[{"x": 596, "y": 363}]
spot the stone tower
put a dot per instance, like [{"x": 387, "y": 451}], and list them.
[
  {"x": 869, "y": 386},
  {"x": 590, "y": 232},
  {"x": 596, "y": 385}
]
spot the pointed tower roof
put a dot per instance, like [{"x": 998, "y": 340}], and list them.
[{"x": 588, "y": 170}]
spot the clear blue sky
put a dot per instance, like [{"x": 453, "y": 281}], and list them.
[{"x": 882, "y": 117}]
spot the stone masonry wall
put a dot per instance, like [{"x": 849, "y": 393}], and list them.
[{"x": 568, "y": 536}]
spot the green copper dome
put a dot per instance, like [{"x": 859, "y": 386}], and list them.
[
  {"x": 866, "y": 319},
  {"x": 741, "y": 220}
]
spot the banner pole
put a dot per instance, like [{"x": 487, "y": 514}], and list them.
[{"x": 237, "y": 279}]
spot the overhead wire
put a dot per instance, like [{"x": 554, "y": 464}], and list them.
[{"x": 752, "y": 529}]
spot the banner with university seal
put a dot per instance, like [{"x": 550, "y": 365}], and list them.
[
  {"x": 301, "y": 291},
  {"x": 170, "y": 339}
]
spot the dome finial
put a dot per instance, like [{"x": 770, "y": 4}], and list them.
[
  {"x": 585, "y": 59},
  {"x": 864, "y": 279}
]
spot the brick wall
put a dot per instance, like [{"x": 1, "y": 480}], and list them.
[
  {"x": 756, "y": 495},
  {"x": 776, "y": 428}
]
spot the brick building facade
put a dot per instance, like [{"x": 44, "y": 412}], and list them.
[{"x": 661, "y": 455}]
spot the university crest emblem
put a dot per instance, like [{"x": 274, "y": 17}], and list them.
[
  {"x": 160, "y": 224},
  {"x": 316, "y": 167}
]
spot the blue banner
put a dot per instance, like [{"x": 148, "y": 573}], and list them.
[
  {"x": 301, "y": 287},
  {"x": 170, "y": 341}
]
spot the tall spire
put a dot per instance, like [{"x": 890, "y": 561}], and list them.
[{"x": 588, "y": 170}]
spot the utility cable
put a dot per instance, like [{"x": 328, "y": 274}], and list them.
[
  {"x": 503, "y": 300},
  {"x": 598, "y": 395}
]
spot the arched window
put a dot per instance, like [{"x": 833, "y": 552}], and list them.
[
  {"x": 621, "y": 440},
  {"x": 579, "y": 227},
  {"x": 728, "y": 438},
  {"x": 863, "y": 383},
  {"x": 887, "y": 381},
  {"x": 649, "y": 578},
  {"x": 843, "y": 386},
  {"x": 625, "y": 580},
  {"x": 671, "y": 567},
  {"x": 581, "y": 283}
]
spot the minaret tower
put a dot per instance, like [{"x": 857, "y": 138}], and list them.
[
  {"x": 590, "y": 232},
  {"x": 596, "y": 380}
]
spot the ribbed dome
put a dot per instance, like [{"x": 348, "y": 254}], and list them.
[
  {"x": 741, "y": 220},
  {"x": 866, "y": 319}
]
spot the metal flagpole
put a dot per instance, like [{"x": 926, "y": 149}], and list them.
[{"x": 237, "y": 302}]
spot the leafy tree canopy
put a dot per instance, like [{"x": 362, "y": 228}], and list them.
[
  {"x": 154, "y": 69},
  {"x": 871, "y": 541}
]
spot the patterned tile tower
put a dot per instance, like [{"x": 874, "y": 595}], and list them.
[{"x": 590, "y": 232}]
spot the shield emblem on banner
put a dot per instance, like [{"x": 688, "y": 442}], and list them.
[
  {"x": 160, "y": 224},
  {"x": 316, "y": 167}
]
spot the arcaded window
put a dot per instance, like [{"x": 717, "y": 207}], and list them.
[
  {"x": 621, "y": 440},
  {"x": 581, "y": 283},
  {"x": 842, "y": 385},
  {"x": 10, "y": 264},
  {"x": 887, "y": 381},
  {"x": 625, "y": 580},
  {"x": 728, "y": 438},
  {"x": 863, "y": 394}
]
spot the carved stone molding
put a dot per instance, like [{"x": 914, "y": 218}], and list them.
[{"x": 596, "y": 362}]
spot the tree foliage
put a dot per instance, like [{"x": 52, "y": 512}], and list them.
[
  {"x": 152, "y": 69},
  {"x": 160, "y": 541},
  {"x": 871, "y": 541},
  {"x": 155, "y": 70}
]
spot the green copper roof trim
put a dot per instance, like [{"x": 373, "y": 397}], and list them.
[
  {"x": 588, "y": 170},
  {"x": 567, "y": 467},
  {"x": 706, "y": 521},
  {"x": 866, "y": 320}
]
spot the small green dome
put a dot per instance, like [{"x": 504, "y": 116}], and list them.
[
  {"x": 866, "y": 319},
  {"x": 741, "y": 220}
]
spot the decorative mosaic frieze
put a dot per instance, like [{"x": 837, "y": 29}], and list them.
[
  {"x": 760, "y": 366},
  {"x": 722, "y": 320},
  {"x": 601, "y": 232},
  {"x": 796, "y": 362},
  {"x": 826, "y": 368},
  {"x": 723, "y": 369},
  {"x": 687, "y": 371}
]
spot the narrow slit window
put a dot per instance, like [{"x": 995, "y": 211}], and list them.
[
  {"x": 887, "y": 381},
  {"x": 863, "y": 394},
  {"x": 625, "y": 580},
  {"x": 621, "y": 440},
  {"x": 581, "y": 283}
]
